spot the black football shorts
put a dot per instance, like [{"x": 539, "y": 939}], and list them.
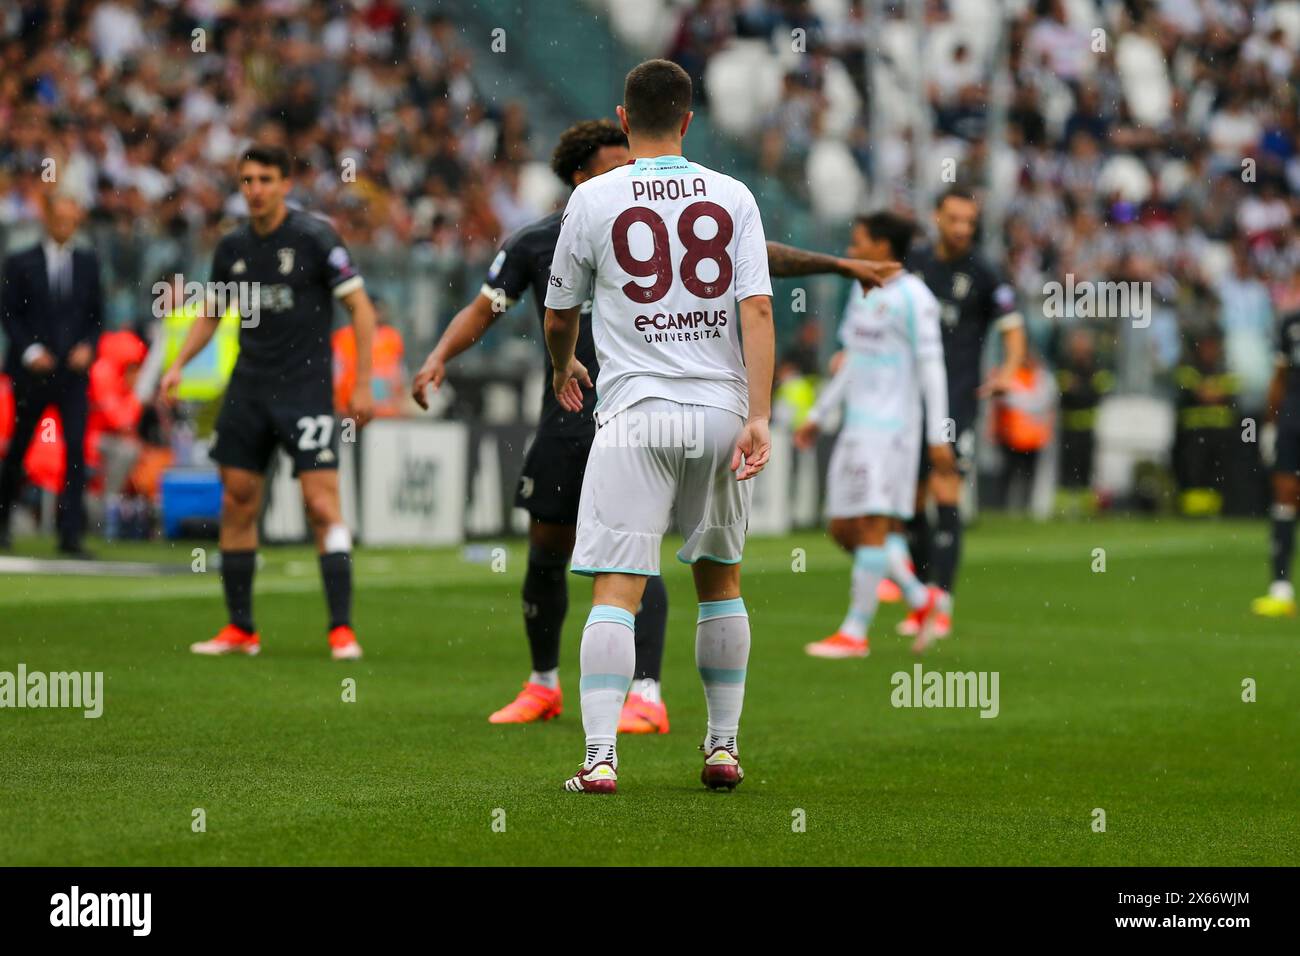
[
  {"x": 550, "y": 482},
  {"x": 1286, "y": 460},
  {"x": 963, "y": 448},
  {"x": 254, "y": 420}
]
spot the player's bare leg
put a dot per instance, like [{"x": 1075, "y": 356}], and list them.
[
  {"x": 320, "y": 494},
  {"x": 722, "y": 642},
  {"x": 241, "y": 502},
  {"x": 1280, "y": 599},
  {"x": 608, "y": 660}
]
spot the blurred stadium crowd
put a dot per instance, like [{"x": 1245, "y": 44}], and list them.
[
  {"x": 1148, "y": 141},
  {"x": 143, "y": 106},
  {"x": 1112, "y": 139},
  {"x": 1155, "y": 141}
]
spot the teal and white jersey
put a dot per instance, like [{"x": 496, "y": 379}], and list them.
[{"x": 893, "y": 362}]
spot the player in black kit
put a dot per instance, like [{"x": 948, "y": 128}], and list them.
[
  {"x": 1284, "y": 415},
  {"x": 551, "y": 479},
  {"x": 973, "y": 299},
  {"x": 286, "y": 268}
]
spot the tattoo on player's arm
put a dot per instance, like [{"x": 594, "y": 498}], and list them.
[{"x": 783, "y": 260}]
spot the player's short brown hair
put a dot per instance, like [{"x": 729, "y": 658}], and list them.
[
  {"x": 580, "y": 142},
  {"x": 656, "y": 97},
  {"x": 267, "y": 155}
]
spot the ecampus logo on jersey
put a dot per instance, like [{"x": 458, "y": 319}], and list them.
[{"x": 682, "y": 326}]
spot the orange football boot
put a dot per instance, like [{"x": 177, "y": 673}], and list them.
[
  {"x": 838, "y": 645},
  {"x": 910, "y": 626},
  {"x": 534, "y": 702},
  {"x": 343, "y": 644},
  {"x": 229, "y": 640},
  {"x": 935, "y": 618},
  {"x": 640, "y": 716}
]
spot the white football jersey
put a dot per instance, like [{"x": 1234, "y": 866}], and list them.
[
  {"x": 666, "y": 249},
  {"x": 893, "y": 361}
]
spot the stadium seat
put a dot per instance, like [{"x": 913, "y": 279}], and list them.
[
  {"x": 744, "y": 85},
  {"x": 1130, "y": 429},
  {"x": 647, "y": 26},
  {"x": 1142, "y": 73},
  {"x": 1126, "y": 175},
  {"x": 843, "y": 104},
  {"x": 835, "y": 183},
  {"x": 538, "y": 186}
]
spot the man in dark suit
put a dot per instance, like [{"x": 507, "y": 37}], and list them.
[{"x": 51, "y": 309}]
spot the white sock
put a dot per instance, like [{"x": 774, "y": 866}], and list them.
[
  {"x": 900, "y": 569},
  {"x": 722, "y": 655},
  {"x": 868, "y": 569},
  {"x": 549, "y": 679},
  {"x": 648, "y": 690},
  {"x": 608, "y": 658}
]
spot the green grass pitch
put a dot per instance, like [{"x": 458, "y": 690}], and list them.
[{"x": 1119, "y": 690}]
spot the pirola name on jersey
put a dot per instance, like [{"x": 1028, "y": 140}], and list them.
[{"x": 653, "y": 189}]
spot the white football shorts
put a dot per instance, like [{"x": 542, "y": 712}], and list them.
[
  {"x": 873, "y": 472},
  {"x": 650, "y": 462}
]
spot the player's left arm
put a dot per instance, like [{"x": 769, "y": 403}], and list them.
[
  {"x": 828, "y": 399},
  {"x": 759, "y": 344},
  {"x": 1010, "y": 324},
  {"x": 787, "y": 261},
  {"x": 572, "y": 270},
  {"x": 362, "y": 310},
  {"x": 569, "y": 375},
  {"x": 347, "y": 286},
  {"x": 753, "y": 289}
]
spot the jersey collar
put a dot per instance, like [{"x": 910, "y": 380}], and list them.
[{"x": 667, "y": 161}]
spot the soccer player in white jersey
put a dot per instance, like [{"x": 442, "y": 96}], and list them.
[
  {"x": 673, "y": 255},
  {"x": 893, "y": 367}
]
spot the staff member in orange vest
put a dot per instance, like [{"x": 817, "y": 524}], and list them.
[
  {"x": 1024, "y": 417},
  {"x": 112, "y": 442},
  {"x": 388, "y": 378}
]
